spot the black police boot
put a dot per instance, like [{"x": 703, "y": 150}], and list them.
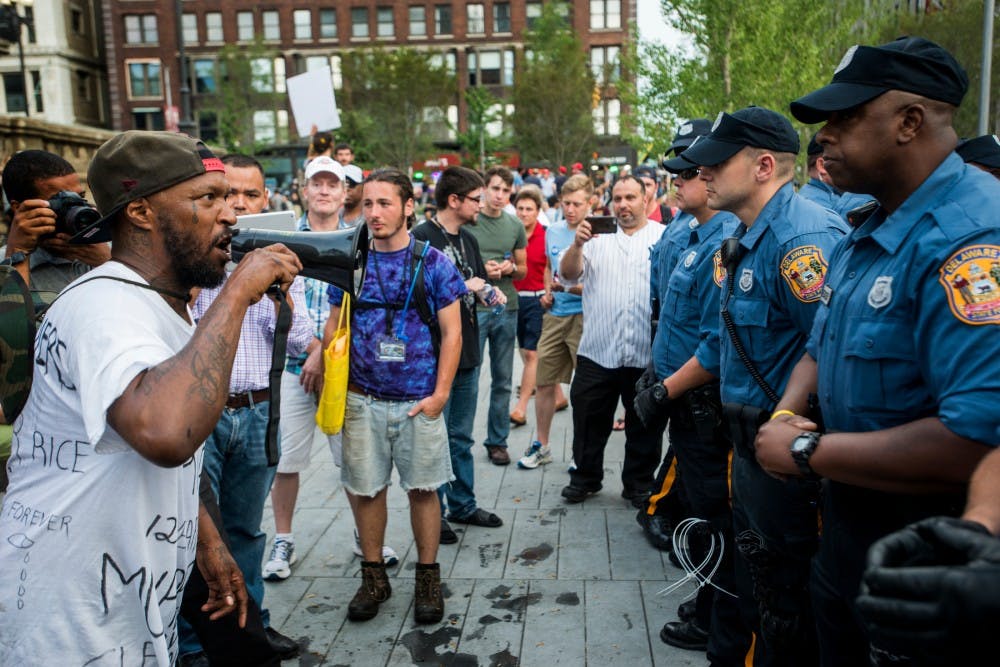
[
  {"x": 687, "y": 635},
  {"x": 657, "y": 530},
  {"x": 686, "y": 610},
  {"x": 286, "y": 647}
]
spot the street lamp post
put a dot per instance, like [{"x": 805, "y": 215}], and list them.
[{"x": 186, "y": 123}]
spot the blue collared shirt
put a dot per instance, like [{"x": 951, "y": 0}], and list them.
[
  {"x": 776, "y": 290},
  {"x": 689, "y": 306},
  {"x": 910, "y": 325},
  {"x": 819, "y": 192},
  {"x": 664, "y": 255}
]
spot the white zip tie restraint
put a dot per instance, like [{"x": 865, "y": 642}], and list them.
[{"x": 711, "y": 562}]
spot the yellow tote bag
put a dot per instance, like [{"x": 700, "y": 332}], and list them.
[{"x": 336, "y": 360}]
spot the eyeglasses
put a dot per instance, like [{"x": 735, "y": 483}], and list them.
[
  {"x": 478, "y": 199},
  {"x": 689, "y": 174}
]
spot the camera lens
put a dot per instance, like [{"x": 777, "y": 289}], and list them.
[{"x": 79, "y": 218}]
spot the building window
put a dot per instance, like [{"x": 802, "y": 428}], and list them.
[
  {"x": 148, "y": 119},
  {"x": 208, "y": 126},
  {"x": 83, "y": 86},
  {"x": 604, "y": 63},
  {"x": 189, "y": 28},
  {"x": 316, "y": 62},
  {"x": 272, "y": 26},
  {"x": 359, "y": 22},
  {"x": 508, "y": 67},
  {"x": 447, "y": 60},
  {"x": 607, "y": 116},
  {"x": 13, "y": 86},
  {"x": 76, "y": 23},
  {"x": 37, "y": 88},
  {"x": 385, "y": 25},
  {"x": 442, "y": 19},
  {"x": 489, "y": 68},
  {"x": 501, "y": 17},
  {"x": 144, "y": 79},
  {"x": 29, "y": 22},
  {"x": 213, "y": 27},
  {"x": 336, "y": 73},
  {"x": 476, "y": 19},
  {"x": 302, "y": 19},
  {"x": 141, "y": 29},
  {"x": 204, "y": 76},
  {"x": 270, "y": 126},
  {"x": 605, "y": 14},
  {"x": 533, "y": 12},
  {"x": 418, "y": 21},
  {"x": 328, "y": 24},
  {"x": 244, "y": 26},
  {"x": 268, "y": 76},
  {"x": 473, "y": 66}
]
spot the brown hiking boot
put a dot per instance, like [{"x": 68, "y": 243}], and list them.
[
  {"x": 428, "y": 602},
  {"x": 374, "y": 590}
]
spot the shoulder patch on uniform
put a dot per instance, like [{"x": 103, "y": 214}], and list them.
[
  {"x": 719, "y": 271},
  {"x": 804, "y": 269},
  {"x": 971, "y": 279}
]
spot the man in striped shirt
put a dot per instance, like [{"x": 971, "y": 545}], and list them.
[{"x": 615, "y": 346}]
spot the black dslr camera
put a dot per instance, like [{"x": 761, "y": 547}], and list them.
[{"x": 73, "y": 212}]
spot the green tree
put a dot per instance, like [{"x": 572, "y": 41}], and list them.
[
  {"x": 245, "y": 86},
  {"x": 958, "y": 27},
  {"x": 393, "y": 102},
  {"x": 553, "y": 91},
  {"x": 766, "y": 52},
  {"x": 482, "y": 110}
]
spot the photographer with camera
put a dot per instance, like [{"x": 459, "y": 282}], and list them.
[{"x": 46, "y": 196}]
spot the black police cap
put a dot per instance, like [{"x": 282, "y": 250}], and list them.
[
  {"x": 814, "y": 148},
  {"x": 753, "y": 126},
  {"x": 911, "y": 64},
  {"x": 678, "y": 164},
  {"x": 687, "y": 132},
  {"x": 984, "y": 150}
]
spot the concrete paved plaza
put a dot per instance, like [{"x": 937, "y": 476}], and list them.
[{"x": 558, "y": 584}]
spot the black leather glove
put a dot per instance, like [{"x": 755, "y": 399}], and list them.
[
  {"x": 651, "y": 405},
  {"x": 931, "y": 592},
  {"x": 646, "y": 380}
]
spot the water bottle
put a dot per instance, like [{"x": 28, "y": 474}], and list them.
[{"x": 491, "y": 297}]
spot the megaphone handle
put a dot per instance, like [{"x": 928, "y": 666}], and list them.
[{"x": 281, "y": 328}]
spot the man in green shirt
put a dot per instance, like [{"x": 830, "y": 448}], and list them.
[{"x": 502, "y": 243}]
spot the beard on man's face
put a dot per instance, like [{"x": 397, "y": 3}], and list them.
[{"x": 194, "y": 266}]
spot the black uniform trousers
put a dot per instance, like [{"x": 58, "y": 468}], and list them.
[
  {"x": 702, "y": 453},
  {"x": 594, "y": 395}
]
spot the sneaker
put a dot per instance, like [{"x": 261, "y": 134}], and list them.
[
  {"x": 389, "y": 556},
  {"x": 535, "y": 456},
  {"x": 279, "y": 564}
]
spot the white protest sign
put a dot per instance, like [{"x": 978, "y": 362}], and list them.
[{"x": 312, "y": 100}]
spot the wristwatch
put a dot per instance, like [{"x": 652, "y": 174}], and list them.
[
  {"x": 802, "y": 449},
  {"x": 660, "y": 393}
]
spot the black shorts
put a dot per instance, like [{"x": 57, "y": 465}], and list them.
[{"x": 529, "y": 321}]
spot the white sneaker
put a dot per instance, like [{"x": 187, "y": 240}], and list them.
[
  {"x": 535, "y": 456},
  {"x": 279, "y": 566},
  {"x": 388, "y": 554}
]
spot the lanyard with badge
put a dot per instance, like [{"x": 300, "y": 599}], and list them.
[{"x": 392, "y": 344}]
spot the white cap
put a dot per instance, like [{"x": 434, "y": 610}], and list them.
[
  {"x": 326, "y": 164},
  {"x": 353, "y": 172}
]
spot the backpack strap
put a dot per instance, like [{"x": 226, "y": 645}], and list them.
[{"x": 422, "y": 306}]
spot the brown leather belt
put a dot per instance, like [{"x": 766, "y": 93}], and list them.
[{"x": 246, "y": 399}]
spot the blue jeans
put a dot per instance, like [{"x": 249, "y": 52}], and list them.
[
  {"x": 459, "y": 416},
  {"x": 501, "y": 332},
  {"x": 236, "y": 464}
]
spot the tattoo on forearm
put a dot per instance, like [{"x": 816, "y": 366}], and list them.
[{"x": 210, "y": 368}]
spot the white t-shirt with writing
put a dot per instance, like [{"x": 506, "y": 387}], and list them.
[{"x": 96, "y": 542}]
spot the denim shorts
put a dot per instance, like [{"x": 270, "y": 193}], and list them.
[{"x": 379, "y": 433}]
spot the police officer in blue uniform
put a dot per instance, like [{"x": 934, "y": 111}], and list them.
[
  {"x": 666, "y": 506},
  {"x": 903, "y": 350},
  {"x": 819, "y": 188},
  {"x": 681, "y": 390},
  {"x": 982, "y": 152},
  {"x": 776, "y": 266}
]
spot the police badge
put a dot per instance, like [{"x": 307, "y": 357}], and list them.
[
  {"x": 689, "y": 260},
  {"x": 880, "y": 294},
  {"x": 746, "y": 280}
]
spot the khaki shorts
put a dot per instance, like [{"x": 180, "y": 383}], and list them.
[{"x": 557, "y": 348}]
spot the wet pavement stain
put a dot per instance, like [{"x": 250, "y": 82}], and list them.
[
  {"x": 488, "y": 619},
  {"x": 320, "y": 608},
  {"x": 423, "y": 648},
  {"x": 558, "y": 511},
  {"x": 533, "y": 555},
  {"x": 308, "y": 658},
  {"x": 498, "y": 592},
  {"x": 445, "y": 591},
  {"x": 519, "y": 604},
  {"x": 490, "y": 552},
  {"x": 628, "y": 621},
  {"x": 504, "y": 659},
  {"x": 570, "y": 599}
]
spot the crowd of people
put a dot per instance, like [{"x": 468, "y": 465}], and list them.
[{"x": 808, "y": 354}]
